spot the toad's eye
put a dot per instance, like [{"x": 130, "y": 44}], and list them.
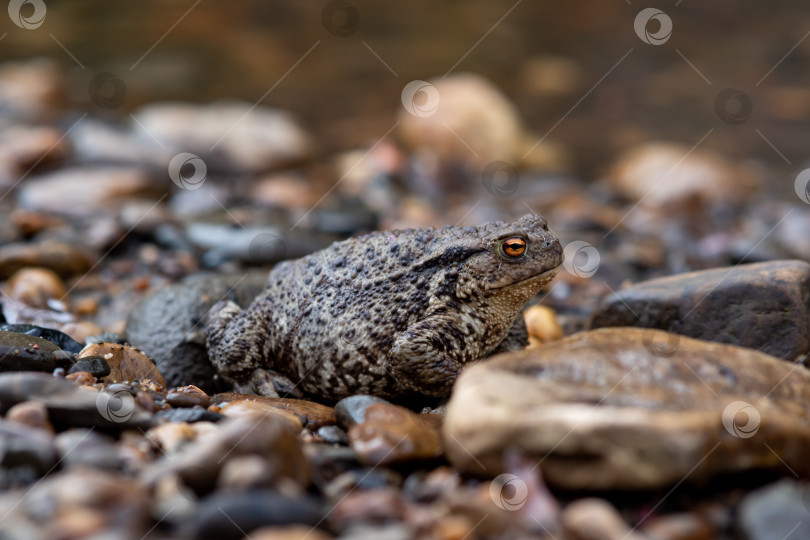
[{"x": 513, "y": 247}]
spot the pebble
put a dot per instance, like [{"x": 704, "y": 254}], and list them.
[
  {"x": 775, "y": 512},
  {"x": 670, "y": 176},
  {"x": 23, "y": 352},
  {"x": 393, "y": 434},
  {"x": 60, "y": 339},
  {"x": 251, "y": 408},
  {"x": 94, "y": 365},
  {"x": 764, "y": 306},
  {"x": 364, "y": 479},
  {"x": 126, "y": 363},
  {"x": 333, "y": 435},
  {"x": 81, "y": 330},
  {"x": 79, "y": 190},
  {"x": 35, "y": 286},
  {"x": 167, "y": 324},
  {"x": 246, "y": 472},
  {"x": 230, "y": 516},
  {"x": 368, "y": 506},
  {"x": 596, "y": 519},
  {"x": 636, "y": 415},
  {"x": 542, "y": 324},
  {"x": 30, "y": 451},
  {"x": 352, "y": 410},
  {"x": 188, "y": 396},
  {"x": 312, "y": 415},
  {"x": 88, "y": 448},
  {"x": 81, "y": 378},
  {"x": 31, "y": 89},
  {"x": 195, "y": 414},
  {"x": 64, "y": 258},
  {"x": 30, "y": 413},
  {"x": 680, "y": 526},
  {"x": 291, "y": 532},
  {"x": 172, "y": 436},
  {"x": 260, "y": 138}
]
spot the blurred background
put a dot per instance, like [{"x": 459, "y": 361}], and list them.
[{"x": 189, "y": 135}]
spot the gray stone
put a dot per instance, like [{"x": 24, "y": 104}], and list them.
[
  {"x": 763, "y": 306},
  {"x": 776, "y": 512},
  {"x": 23, "y": 352}
]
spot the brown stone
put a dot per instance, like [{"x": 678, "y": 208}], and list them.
[
  {"x": 610, "y": 409},
  {"x": 596, "y": 519},
  {"x": 762, "y": 306},
  {"x": 393, "y": 434},
  {"x": 126, "y": 363},
  {"x": 312, "y": 415},
  {"x": 63, "y": 258}
]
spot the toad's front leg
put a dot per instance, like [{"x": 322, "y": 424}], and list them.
[{"x": 428, "y": 356}]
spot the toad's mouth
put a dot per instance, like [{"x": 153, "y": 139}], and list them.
[{"x": 543, "y": 277}]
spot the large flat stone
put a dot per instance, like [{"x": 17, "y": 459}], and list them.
[
  {"x": 630, "y": 408},
  {"x": 763, "y": 306}
]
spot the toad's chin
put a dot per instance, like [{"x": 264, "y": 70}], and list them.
[{"x": 537, "y": 279}]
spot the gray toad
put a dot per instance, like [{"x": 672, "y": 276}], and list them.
[{"x": 395, "y": 314}]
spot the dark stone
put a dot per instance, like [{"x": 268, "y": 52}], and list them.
[
  {"x": 94, "y": 365},
  {"x": 22, "y": 352},
  {"x": 88, "y": 448},
  {"x": 168, "y": 325},
  {"x": 195, "y": 414},
  {"x": 24, "y": 448},
  {"x": 333, "y": 435},
  {"x": 352, "y": 410},
  {"x": 60, "y": 339},
  {"x": 224, "y": 516},
  {"x": 776, "y": 512},
  {"x": 762, "y": 306}
]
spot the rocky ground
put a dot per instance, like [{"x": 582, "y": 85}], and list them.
[{"x": 663, "y": 395}]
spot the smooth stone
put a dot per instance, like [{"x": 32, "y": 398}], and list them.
[
  {"x": 60, "y": 339},
  {"x": 82, "y": 189},
  {"x": 608, "y": 409},
  {"x": 168, "y": 326},
  {"x": 776, "y": 512},
  {"x": 66, "y": 259},
  {"x": 352, "y": 410},
  {"x": 333, "y": 435},
  {"x": 596, "y": 519},
  {"x": 199, "y": 464},
  {"x": 327, "y": 462},
  {"x": 251, "y": 408},
  {"x": 188, "y": 396},
  {"x": 94, "y": 365},
  {"x": 72, "y": 406},
  {"x": 230, "y": 516},
  {"x": 88, "y": 448},
  {"x": 23, "y": 447},
  {"x": 36, "y": 286},
  {"x": 393, "y": 434},
  {"x": 126, "y": 363},
  {"x": 763, "y": 306},
  {"x": 364, "y": 479},
  {"x": 312, "y": 415},
  {"x": 23, "y": 352},
  {"x": 188, "y": 415},
  {"x": 30, "y": 413}
]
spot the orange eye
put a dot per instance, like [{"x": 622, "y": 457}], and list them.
[{"x": 513, "y": 247}]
